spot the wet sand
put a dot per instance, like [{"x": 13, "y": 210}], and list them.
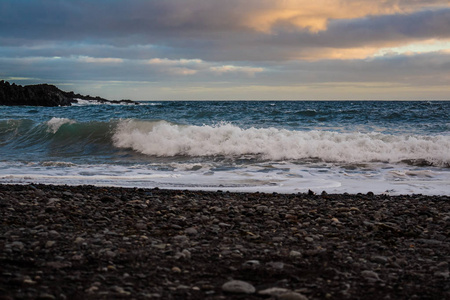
[{"x": 85, "y": 242}]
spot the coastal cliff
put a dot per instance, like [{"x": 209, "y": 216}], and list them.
[{"x": 44, "y": 95}]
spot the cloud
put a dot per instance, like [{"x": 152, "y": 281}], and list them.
[
  {"x": 221, "y": 45},
  {"x": 120, "y": 22},
  {"x": 233, "y": 30},
  {"x": 100, "y": 60},
  {"x": 249, "y": 71},
  {"x": 193, "y": 66}
]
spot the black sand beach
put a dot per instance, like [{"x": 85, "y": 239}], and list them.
[{"x": 64, "y": 242}]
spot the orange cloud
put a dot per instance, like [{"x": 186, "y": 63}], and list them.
[{"x": 314, "y": 15}]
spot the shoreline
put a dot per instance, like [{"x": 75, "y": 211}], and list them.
[{"x": 86, "y": 242}]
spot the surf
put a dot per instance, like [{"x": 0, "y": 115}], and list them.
[{"x": 166, "y": 139}]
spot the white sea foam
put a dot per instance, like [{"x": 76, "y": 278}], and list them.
[
  {"x": 82, "y": 102},
  {"x": 166, "y": 139},
  {"x": 281, "y": 178},
  {"x": 55, "y": 123}
]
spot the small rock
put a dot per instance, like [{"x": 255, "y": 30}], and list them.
[
  {"x": 442, "y": 274},
  {"x": 29, "y": 281},
  {"x": 251, "y": 263},
  {"x": 335, "y": 220},
  {"x": 370, "y": 275},
  {"x": 380, "y": 259},
  {"x": 292, "y": 296},
  {"x": 141, "y": 225},
  {"x": 50, "y": 244},
  {"x": 443, "y": 266},
  {"x": 186, "y": 254},
  {"x": 52, "y": 201},
  {"x": 294, "y": 253},
  {"x": 273, "y": 292},
  {"x": 110, "y": 254},
  {"x": 17, "y": 245},
  {"x": 58, "y": 264},
  {"x": 263, "y": 208},
  {"x": 79, "y": 240},
  {"x": 120, "y": 290},
  {"x": 276, "y": 265},
  {"x": 182, "y": 287},
  {"x": 239, "y": 287},
  {"x": 53, "y": 233},
  {"x": 191, "y": 231},
  {"x": 180, "y": 239},
  {"x": 45, "y": 296},
  {"x": 92, "y": 289},
  {"x": 160, "y": 246}
]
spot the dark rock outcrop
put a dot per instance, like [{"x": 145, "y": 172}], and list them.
[{"x": 44, "y": 95}]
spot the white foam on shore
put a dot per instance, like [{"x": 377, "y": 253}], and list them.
[{"x": 280, "y": 178}]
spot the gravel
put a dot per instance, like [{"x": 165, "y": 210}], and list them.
[{"x": 85, "y": 242}]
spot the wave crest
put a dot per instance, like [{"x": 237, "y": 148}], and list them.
[
  {"x": 166, "y": 139},
  {"x": 55, "y": 123}
]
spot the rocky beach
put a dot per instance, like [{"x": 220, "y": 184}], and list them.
[{"x": 86, "y": 242}]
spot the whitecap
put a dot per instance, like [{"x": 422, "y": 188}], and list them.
[
  {"x": 55, "y": 123},
  {"x": 164, "y": 139}
]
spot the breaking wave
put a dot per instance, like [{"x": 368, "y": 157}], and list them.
[
  {"x": 166, "y": 139},
  {"x": 68, "y": 138}
]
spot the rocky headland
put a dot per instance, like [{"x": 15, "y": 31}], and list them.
[
  {"x": 85, "y": 242},
  {"x": 45, "y": 95}
]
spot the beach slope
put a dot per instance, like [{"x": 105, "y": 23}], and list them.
[{"x": 85, "y": 242}]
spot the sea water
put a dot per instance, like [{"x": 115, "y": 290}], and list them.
[{"x": 390, "y": 147}]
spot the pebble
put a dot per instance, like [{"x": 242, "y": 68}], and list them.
[
  {"x": 141, "y": 226},
  {"x": 370, "y": 275},
  {"x": 292, "y": 296},
  {"x": 185, "y": 254},
  {"x": 239, "y": 287},
  {"x": 17, "y": 245},
  {"x": 52, "y": 201},
  {"x": 79, "y": 240},
  {"x": 273, "y": 292},
  {"x": 46, "y": 296},
  {"x": 191, "y": 231},
  {"x": 54, "y": 233},
  {"x": 294, "y": 253},
  {"x": 276, "y": 265},
  {"x": 380, "y": 259},
  {"x": 50, "y": 244},
  {"x": 251, "y": 263}
]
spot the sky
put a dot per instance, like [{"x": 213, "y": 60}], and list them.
[{"x": 230, "y": 50}]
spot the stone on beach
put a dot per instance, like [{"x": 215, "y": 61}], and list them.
[{"x": 238, "y": 286}]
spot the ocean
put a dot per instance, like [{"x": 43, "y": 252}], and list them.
[{"x": 390, "y": 147}]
